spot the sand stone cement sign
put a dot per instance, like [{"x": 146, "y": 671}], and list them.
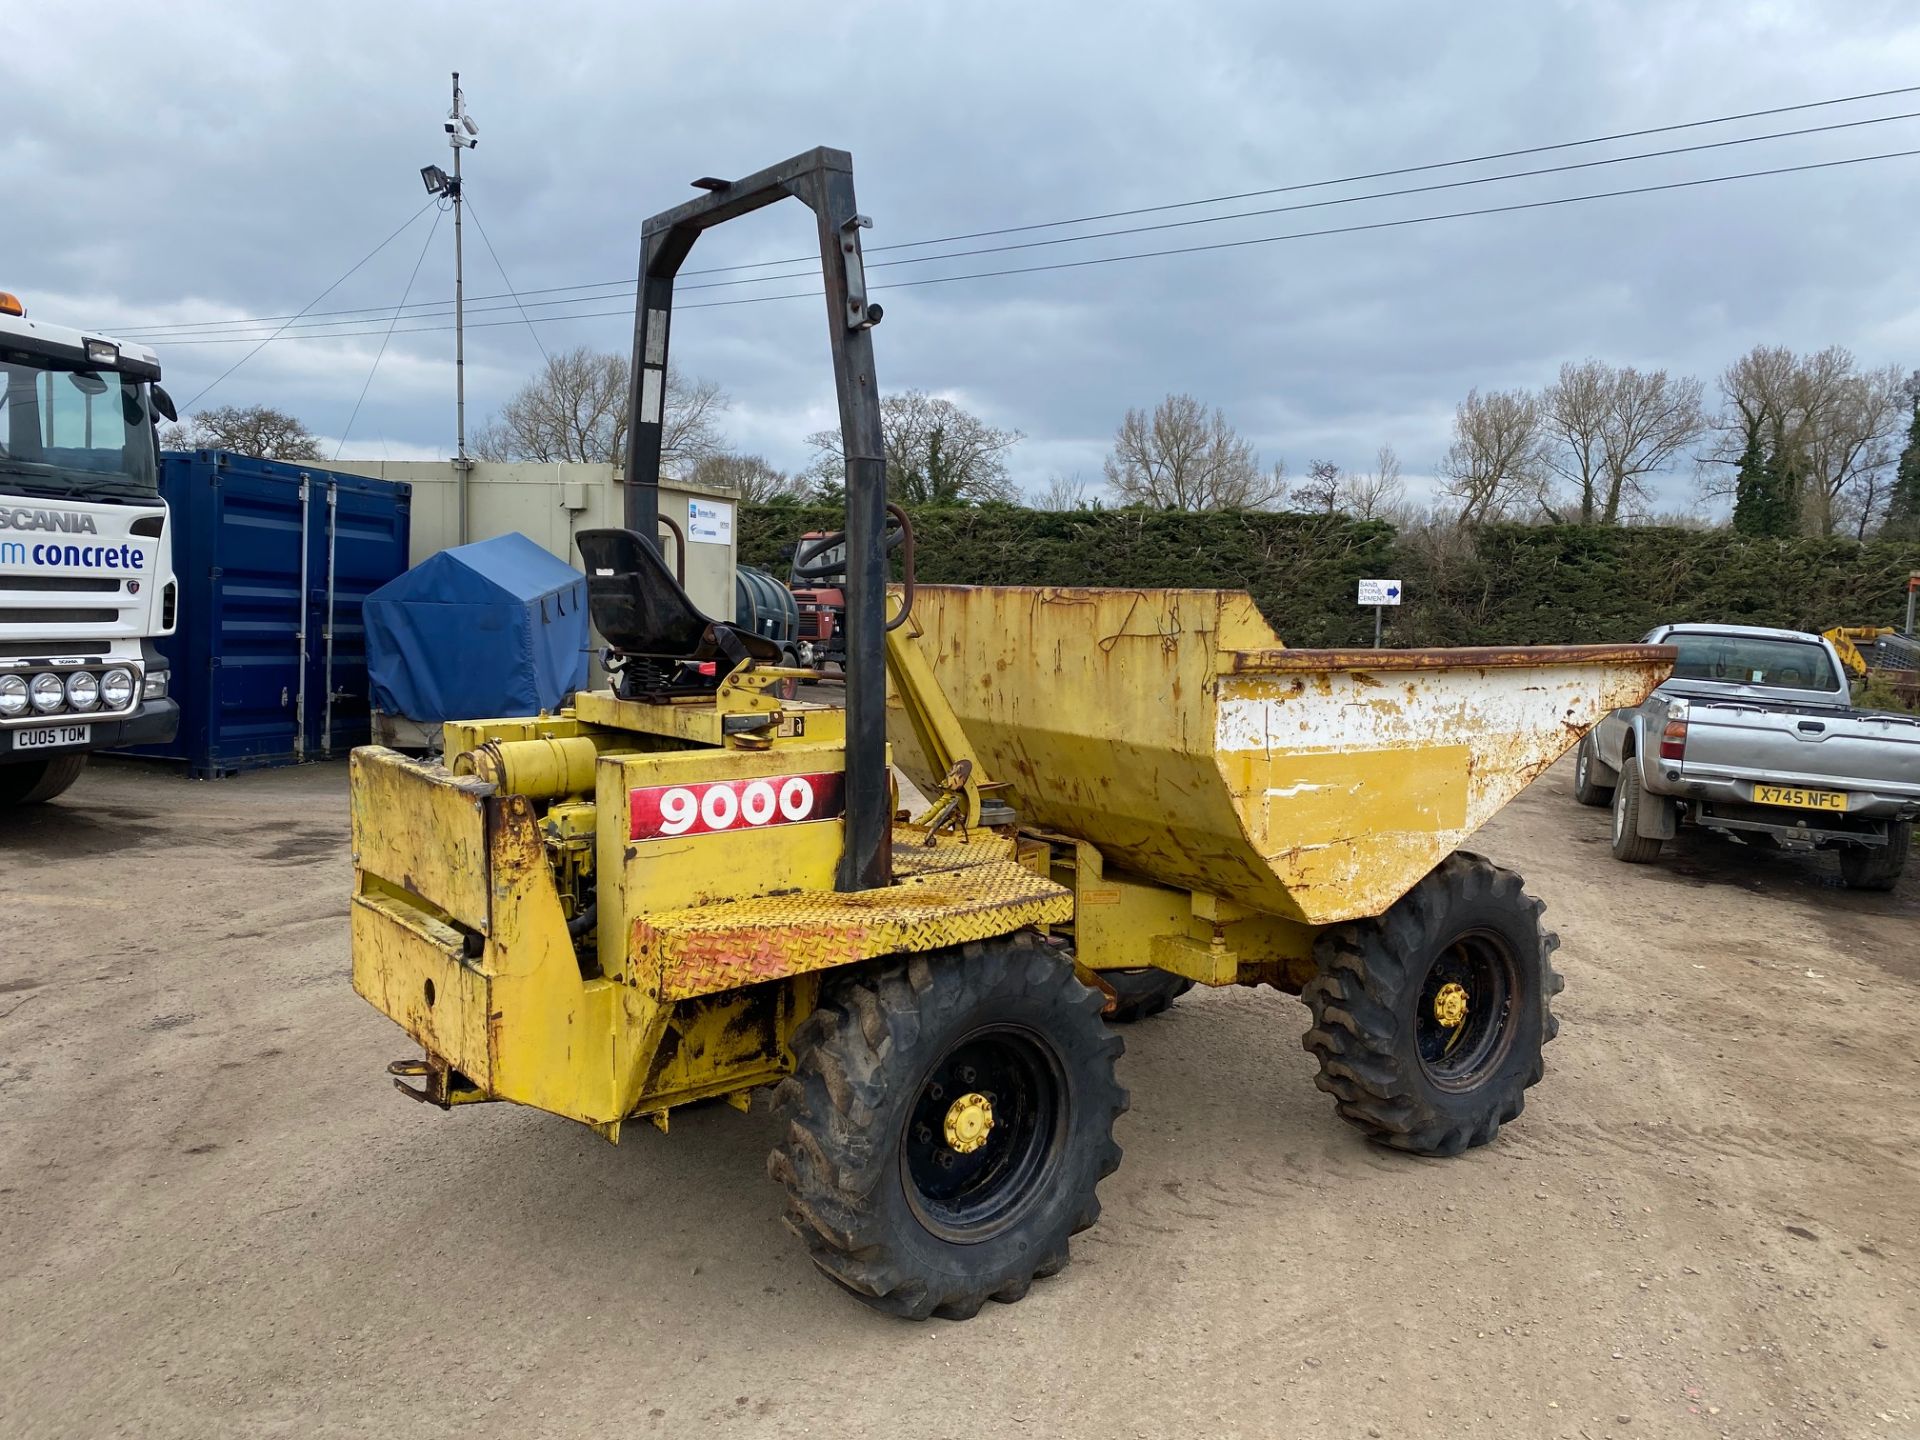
[{"x": 1379, "y": 592}]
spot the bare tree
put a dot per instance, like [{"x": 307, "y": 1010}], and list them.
[
  {"x": 1612, "y": 428},
  {"x": 1850, "y": 455},
  {"x": 576, "y": 409},
  {"x": 1180, "y": 457},
  {"x": 1498, "y": 457},
  {"x": 257, "y": 430},
  {"x": 1374, "y": 494},
  {"x": 1831, "y": 426},
  {"x": 1065, "y": 492},
  {"x": 937, "y": 453},
  {"x": 1319, "y": 490},
  {"x": 756, "y": 481}
]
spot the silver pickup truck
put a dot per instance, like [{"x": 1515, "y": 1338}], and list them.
[{"x": 1755, "y": 735}]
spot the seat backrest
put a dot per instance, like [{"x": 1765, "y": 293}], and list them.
[{"x": 634, "y": 599}]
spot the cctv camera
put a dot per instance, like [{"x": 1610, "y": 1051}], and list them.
[{"x": 472, "y": 129}]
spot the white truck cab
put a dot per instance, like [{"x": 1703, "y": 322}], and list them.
[{"x": 86, "y": 561}]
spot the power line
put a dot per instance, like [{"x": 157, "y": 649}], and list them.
[
  {"x": 309, "y": 305},
  {"x": 435, "y": 309},
  {"x": 153, "y": 330},
  {"x": 1175, "y": 250},
  {"x": 507, "y": 280},
  {"x": 432, "y": 230}
]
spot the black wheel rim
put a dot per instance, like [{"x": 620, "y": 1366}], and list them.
[
  {"x": 972, "y": 1194},
  {"x": 1462, "y": 1026}
]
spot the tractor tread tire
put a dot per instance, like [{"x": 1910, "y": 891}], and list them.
[
  {"x": 1142, "y": 994},
  {"x": 1368, "y": 987},
  {"x": 1880, "y": 868},
  {"x": 859, "y": 1062},
  {"x": 1627, "y": 843}
]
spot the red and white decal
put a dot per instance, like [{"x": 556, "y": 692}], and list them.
[{"x": 661, "y": 812}]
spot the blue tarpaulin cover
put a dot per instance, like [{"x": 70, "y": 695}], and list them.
[{"x": 498, "y": 627}]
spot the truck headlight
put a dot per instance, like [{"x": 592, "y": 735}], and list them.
[
  {"x": 13, "y": 695},
  {"x": 155, "y": 687},
  {"x": 48, "y": 693},
  {"x": 116, "y": 688},
  {"x": 83, "y": 690}
]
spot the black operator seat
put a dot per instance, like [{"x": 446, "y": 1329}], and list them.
[{"x": 640, "y": 609}]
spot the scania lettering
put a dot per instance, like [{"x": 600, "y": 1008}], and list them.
[{"x": 86, "y": 560}]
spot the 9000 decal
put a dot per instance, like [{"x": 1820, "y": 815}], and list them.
[{"x": 662, "y": 811}]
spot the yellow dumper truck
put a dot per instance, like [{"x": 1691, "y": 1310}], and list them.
[{"x": 687, "y": 887}]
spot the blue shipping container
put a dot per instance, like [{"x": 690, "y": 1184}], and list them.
[{"x": 274, "y": 559}]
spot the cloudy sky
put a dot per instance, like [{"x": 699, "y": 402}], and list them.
[{"x": 169, "y": 166}]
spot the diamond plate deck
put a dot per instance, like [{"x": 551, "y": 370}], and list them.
[{"x": 976, "y": 892}]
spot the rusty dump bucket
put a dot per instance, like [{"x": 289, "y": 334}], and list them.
[{"x": 1173, "y": 730}]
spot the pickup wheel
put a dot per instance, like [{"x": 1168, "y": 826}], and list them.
[
  {"x": 1628, "y": 843},
  {"x": 1879, "y": 868},
  {"x": 38, "y": 781},
  {"x": 1585, "y": 790},
  {"x": 1428, "y": 1020},
  {"x": 948, "y": 1119}
]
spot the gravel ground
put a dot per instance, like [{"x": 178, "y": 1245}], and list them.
[{"x": 217, "y": 1218}]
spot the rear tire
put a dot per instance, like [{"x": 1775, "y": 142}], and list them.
[
  {"x": 1585, "y": 791},
  {"x": 1629, "y": 844},
  {"x": 1140, "y": 994},
  {"x": 1409, "y": 1062},
  {"x": 920, "y": 1201},
  {"x": 38, "y": 781},
  {"x": 1881, "y": 868}
]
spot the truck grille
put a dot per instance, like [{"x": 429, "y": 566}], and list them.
[
  {"x": 105, "y": 585},
  {"x": 56, "y": 615},
  {"x": 44, "y": 649}
]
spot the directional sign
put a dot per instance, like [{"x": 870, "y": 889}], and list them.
[{"x": 1379, "y": 592}]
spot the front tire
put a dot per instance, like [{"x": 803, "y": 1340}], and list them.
[
  {"x": 1585, "y": 791},
  {"x": 1880, "y": 868},
  {"x": 1629, "y": 845},
  {"x": 1428, "y": 1021},
  {"x": 949, "y": 1117},
  {"x": 38, "y": 781}
]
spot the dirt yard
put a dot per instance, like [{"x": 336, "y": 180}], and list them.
[{"x": 217, "y": 1218}]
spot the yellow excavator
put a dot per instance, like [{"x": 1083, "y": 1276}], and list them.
[
  {"x": 689, "y": 886},
  {"x": 1847, "y": 639}
]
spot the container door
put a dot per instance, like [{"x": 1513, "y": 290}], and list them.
[
  {"x": 255, "y": 616},
  {"x": 359, "y": 535}
]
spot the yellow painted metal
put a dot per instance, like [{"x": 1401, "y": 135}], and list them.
[
  {"x": 421, "y": 829},
  {"x": 939, "y": 739},
  {"x": 728, "y": 719},
  {"x": 539, "y": 769},
  {"x": 712, "y": 947},
  {"x": 969, "y": 1122},
  {"x": 1450, "y": 1005},
  {"x": 1173, "y": 731},
  {"x": 1847, "y": 640}
]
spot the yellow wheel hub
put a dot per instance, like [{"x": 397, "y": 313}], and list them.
[
  {"x": 969, "y": 1122},
  {"x": 1450, "y": 1005}
]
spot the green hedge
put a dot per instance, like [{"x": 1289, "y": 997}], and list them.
[{"x": 1503, "y": 584}]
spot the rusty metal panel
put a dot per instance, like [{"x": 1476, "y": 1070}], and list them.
[
  {"x": 1171, "y": 729},
  {"x": 417, "y": 826},
  {"x": 723, "y": 946},
  {"x": 409, "y": 966}
]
